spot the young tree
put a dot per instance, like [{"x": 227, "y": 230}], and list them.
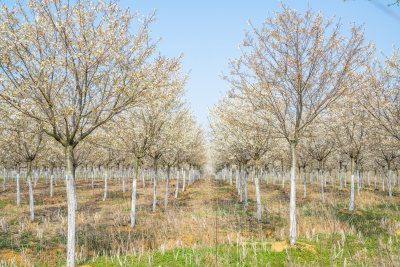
[
  {"x": 293, "y": 68},
  {"x": 71, "y": 67},
  {"x": 24, "y": 141}
]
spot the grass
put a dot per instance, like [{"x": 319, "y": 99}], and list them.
[
  {"x": 249, "y": 253},
  {"x": 184, "y": 233}
]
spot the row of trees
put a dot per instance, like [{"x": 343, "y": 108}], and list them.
[
  {"x": 78, "y": 86},
  {"x": 308, "y": 96}
]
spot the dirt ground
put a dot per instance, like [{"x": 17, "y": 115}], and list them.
[{"x": 208, "y": 212}]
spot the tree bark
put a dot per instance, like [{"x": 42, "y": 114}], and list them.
[
  {"x": 166, "y": 187},
  {"x": 390, "y": 180},
  {"x": 18, "y": 193},
  {"x": 240, "y": 185},
  {"x": 123, "y": 181},
  {"x": 105, "y": 185},
  {"x": 321, "y": 178},
  {"x": 28, "y": 175},
  {"x": 258, "y": 197},
  {"x": 4, "y": 179},
  {"x": 305, "y": 183},
  {"x": 133, "y": 200},
  {"x": 340, "y": 176},
  {"x": 184, "y": 180},
  {"x": 71, "y": 199},
  {"x": 292, "y": 212},
  {"x": 358, "y": 182},
  {"x": 230, "y": 177},
  {"x": 351, "y": 206},
  {"x": 155, "y": 187},
  {"x": 51, "y": 185},
  {"x": 177, "y": 184},
  {"x": 245, "y": 190}
]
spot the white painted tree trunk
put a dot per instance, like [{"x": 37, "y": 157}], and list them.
[
  {"x": 292, "y": 213},
  {"x": 340, "y": 178},
  {"x": 305, "y": 184},
  {"x": 155, "y": 190},
  {"x": 133, "y": 204},
  {"x": 237, "y": 179},
  {"x": 166, "y": 188},
  {"x": 93, "y": 173},
  {"x": 246, "y": 204},
  {"x": 51, "y": 185},
  {"x": 31, "y": 208},
  {"x": 358, "y": 182},
  {"x": 390, "y": 182},
  {"x": 143, "y": 181},
  {"x": 4, "y": 179},
  {"x": 230, "y": 177},
  {"x": 123, "y": 182},
  {"x": 177, "y": 184},
  {"x": 18, "y": 193},
  {"x": 105, "y": 185},
  {"x": 71, "y": 200},
  {"x": 321, "y": 178},
  {"x": 351, "y": 206},
  {"x": 184, "y": 180},
  {"x": 258, "y": 198},
  {"x": 240, "y": 186}
]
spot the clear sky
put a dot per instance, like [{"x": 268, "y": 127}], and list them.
[{"x": 208, "y": 33}]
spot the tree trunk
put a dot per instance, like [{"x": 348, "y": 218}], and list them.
[
  {"x": 93, "y": 173},
  {"x": 166, "y": 187},
  {"x": 321, "y": 178},
  {"x": 28, "y": 175},
  {"x": 177, "y": 184},
  {"x": 245, "y": 189},
  {"x": 155, "y": 187},
  {"x": 292, "y": 213},
  {"x": 123, "y": 181},
  {"x": 351, "y": 206},
  {"x": 184, "y": 180},
  {"x": 18, "y": 193},
  {"x": 305, "y": 183},
  {"x": 258, "y": 197},
  {"x": 240, "y": 185},
  {"x": 71, "y": 199},
  {"x": 340, "y": 176},
  {"x": 105, "y": 185},
  {"x": 4, "y": 179},
  {"x": 143, "y": 181},
  {"x": 133, "y": 201},
  {"x": 230, "y": 176},
  {"x": 358, "y": 181},
  {"x": 389, "y": 180},
  {"x": 51, "y": 185}
]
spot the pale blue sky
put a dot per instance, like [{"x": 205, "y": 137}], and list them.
[{"x": 208, "y": 34}]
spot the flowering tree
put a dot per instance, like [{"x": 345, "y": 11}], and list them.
[
  {"x": 71, "y": 67},
  {"x": 293, "y": 68}
]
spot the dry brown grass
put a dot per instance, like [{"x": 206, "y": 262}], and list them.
[{"x": 103, "y": 227}]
